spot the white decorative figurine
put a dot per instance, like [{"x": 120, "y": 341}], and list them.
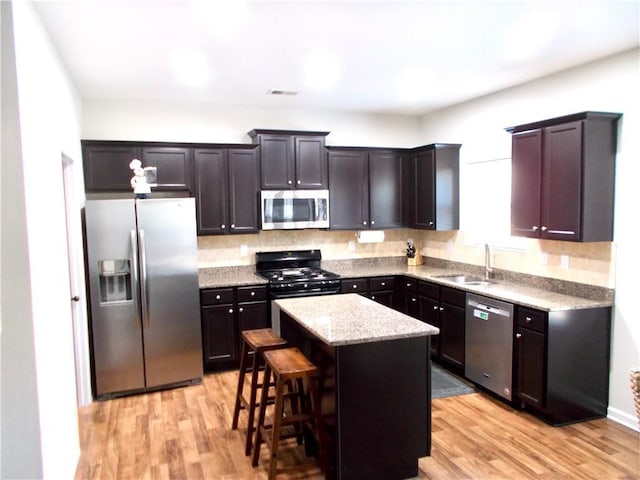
[{"x": 141, "y": 188}]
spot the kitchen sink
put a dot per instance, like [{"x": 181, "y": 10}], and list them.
[{"x": 466, "y": 279}]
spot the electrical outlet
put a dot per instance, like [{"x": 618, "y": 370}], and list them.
[
  {"x": 544, "y": 259},
  {"x": 564, "y": 261},
  {"x": 352, "y": 246},
  {"x": 244, "y": 250}
]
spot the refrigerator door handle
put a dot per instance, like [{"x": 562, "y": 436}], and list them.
[
  {"x": 144, "y": 289},
  {"x": 134, "y": 272}
]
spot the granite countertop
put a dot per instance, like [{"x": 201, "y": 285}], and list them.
[
  {"x": 229, "y": 277},
  {"x": 347, "y": 319},
  {"x": 522, "y": 293},
  {"x": 526, "y": 290}
]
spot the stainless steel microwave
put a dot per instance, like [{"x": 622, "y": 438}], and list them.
[{"x": 291, "y": 209}]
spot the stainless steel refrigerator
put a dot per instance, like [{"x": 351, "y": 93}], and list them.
[{"x": 143, "y": 282}]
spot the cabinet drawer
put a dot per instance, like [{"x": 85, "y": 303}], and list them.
[
  {"x": 354, "y": 285},
  {"x": 216, "y": 296},
  {"x": 429, "y": 290},
  {"x": 380, "y": 283},
  {"x": 533, "y": 319},
  {"x": 252, "y": 294},
  {"x": 453, "y": 296}
]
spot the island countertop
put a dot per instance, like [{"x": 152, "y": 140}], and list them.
[{"x": 347, "y": 319}]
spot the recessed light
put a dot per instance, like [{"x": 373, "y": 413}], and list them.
[
  {"x": 189, "y": 67},
  {"x": 321, "y": 69}
]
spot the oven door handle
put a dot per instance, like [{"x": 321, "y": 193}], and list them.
[{"x": 306, "y": 293}]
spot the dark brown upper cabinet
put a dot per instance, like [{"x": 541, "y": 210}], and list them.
[
  {"x": 106, "y": 165},
  {"x": 431, "y": 178},
  {"x": 365, "y": 189},
  {"x": 562, "y": 185},
  {"x": 291, "y": 159},
  {"x": 226, "y": 190}
]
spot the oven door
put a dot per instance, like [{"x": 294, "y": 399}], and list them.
[{"x": 294, "y": 209}]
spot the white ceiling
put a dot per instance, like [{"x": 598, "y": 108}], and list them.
[{"x": 388, "y": 56}]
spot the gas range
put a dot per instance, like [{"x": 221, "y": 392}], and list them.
[{"x": 296, "y": 273}]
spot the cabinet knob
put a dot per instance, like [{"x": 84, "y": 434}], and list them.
[
  {"x": 354, "y": 286},
  {"x": 435, "y": 307},
  {"x": 518, "y": 335},
  {"x": 75, "y": 298},
  {"x": 233, "y": 225},
  {"x": 240, "y": 309},
  {"x": 441, "y": 309},
  {"x": 364, "y": 223},
  {"x": 299, "y": 182},
  {"x": 430, "y": 223},
  {"x": 528, "y": 319},
  {"x": 253, "y": 294},
  {"x": 231, "y": 310},
  {"x": 373, "y": 222},
  {"x": 290, "y": 182},
  {"x": 373, "y": 297},
  {"x": 217, "y": 297},
  {"x": 222, "y": 226},
  {"x": 414, "y": 299},
  {"x": 534, "y": 228},
  {"x": 382, "y": 284},
  {"x": 544, "y": 229}
]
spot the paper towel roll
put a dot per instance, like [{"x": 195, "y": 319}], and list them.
[{"x": 370, "y": 236}]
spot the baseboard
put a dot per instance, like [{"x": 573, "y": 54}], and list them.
[{"x": 623, "y": 418}]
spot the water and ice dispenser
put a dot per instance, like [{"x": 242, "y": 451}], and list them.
[{"x": 115, "y": 281}]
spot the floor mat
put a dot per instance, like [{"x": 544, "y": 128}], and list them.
[{"x": 445, "y": 384}]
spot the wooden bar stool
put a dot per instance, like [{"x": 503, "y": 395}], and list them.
[
  {"x": 254, "y": 344},
  {"x": 289, "y": 367}
]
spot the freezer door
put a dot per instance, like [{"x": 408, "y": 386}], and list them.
[
  {"x": 116, "y": 328},
  {"x": 169, "y": 290}
]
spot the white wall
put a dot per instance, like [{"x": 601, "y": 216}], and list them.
[
  {"x": 165, "y": 121},
  {"x": 49, "y": 123},
  {"x": 607, "y": 85}
]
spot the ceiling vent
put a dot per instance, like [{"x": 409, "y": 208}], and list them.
[{"x": 275, "y": 91}]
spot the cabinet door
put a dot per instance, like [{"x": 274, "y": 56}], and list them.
[
  {"x": 310, "y": 163},
  {"x": 106, "y": 167},
  {"x": 409, "y": 190},
  {"x": 452, "y": 335},
  {"x": 349, "y": 192},
  {"x": 561, "y": 182},
  {"x": 531, "y": 367},
  {"x": 385, "y": 190},
  {"x": 276, "y": 161},
  {"x": 173, "y": 164},
  {"x": 243, "y": 191},
  {"x": 252, "y": 315},
  {"x": 526, "y": 174},
  {"x": 425, "y": 211},
  {"x": 383, "y": 297},
  {"x": 218, "y": 334},
  {"x": 429, "y": 312},
  {"x": 212, "y": 192}
]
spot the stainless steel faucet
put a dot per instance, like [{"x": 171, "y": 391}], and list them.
[{"x": 488, "y": 271}]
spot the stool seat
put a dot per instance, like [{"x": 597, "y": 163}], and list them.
[
  {"x": 254, "y": 342},
  {"x": 289, "y": 368},
  {"x": 262, "y": 339}
]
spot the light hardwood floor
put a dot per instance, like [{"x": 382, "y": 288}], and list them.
[{"x": 185, "y": 433}]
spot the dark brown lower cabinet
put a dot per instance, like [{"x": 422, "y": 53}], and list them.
[
  {"x": 562, "y": 371},
  {"x": 225, "y": 312},
  {"x": 444, "y": 307}
]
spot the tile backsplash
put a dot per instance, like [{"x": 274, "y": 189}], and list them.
[{"x": 589, "y": 263}]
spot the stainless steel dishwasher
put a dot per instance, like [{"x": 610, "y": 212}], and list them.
[{"x": 489, "y": 344}]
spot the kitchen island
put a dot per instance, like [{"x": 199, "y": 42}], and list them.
[{"x": 375, "y": 383}]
